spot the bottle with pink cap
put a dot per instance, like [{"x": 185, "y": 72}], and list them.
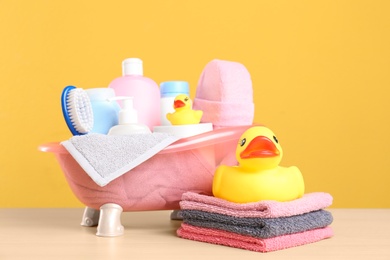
[{"x": 145, "y": 92}]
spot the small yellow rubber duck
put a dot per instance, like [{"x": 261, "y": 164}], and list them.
[
  {"x": 184, "y": 115},
  {"x": 258, "y": 175}
]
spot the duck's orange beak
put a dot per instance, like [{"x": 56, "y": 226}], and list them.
[
  {"x": 260, "y": 147},
  {"x": 178, "y": 103}
]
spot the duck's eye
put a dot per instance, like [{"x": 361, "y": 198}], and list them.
[
  {"x": 242, "y": 142},
  {"x": 276, "y": 139},
  {"x": 186, "y": 99}
]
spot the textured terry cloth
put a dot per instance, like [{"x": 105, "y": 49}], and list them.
[
  {"x": 262, "y": 209},
  {"x": 225, "y": 238},
  {"x": 106, "y": 157},
  {"x": 224, "y": 94},
  {"x": 259, "y": 227}
]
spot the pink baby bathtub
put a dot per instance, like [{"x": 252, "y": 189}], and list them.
[{"x": 156, "y": 184}]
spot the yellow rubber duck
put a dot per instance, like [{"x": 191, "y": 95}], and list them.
[
  {"x": 184, "y": 115},
  {"x": 258, "y": 175}
]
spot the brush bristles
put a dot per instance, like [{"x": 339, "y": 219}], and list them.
[{"x": 80, "y": 110}]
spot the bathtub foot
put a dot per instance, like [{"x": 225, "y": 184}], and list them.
[
  {"x": 110, "y": 221},
  {"x": 90, "y": 217},
  {"x": 176, "y": 215}
]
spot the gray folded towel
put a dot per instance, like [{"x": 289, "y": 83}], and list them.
[
  {"x": 259, "y": 227},
  {"x": 106, "y": 157}
]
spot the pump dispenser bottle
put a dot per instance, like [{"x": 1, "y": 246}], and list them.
[
  {"x": 145, "y": 91},
  {"x": 128, "y": 120}
]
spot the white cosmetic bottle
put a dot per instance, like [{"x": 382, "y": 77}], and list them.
[
  {"x": 128, "y": 120},
  {"x": 168, "y": 91}
]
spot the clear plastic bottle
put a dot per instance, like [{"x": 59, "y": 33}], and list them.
[
  {"x": 168, "y": 91},
  {"x": 144, "y": 90}
]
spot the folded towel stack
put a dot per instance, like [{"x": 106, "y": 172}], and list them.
[{"x": 262, "y": 226}]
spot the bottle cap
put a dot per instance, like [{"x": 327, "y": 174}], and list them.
[
  {"x": 132, "y": 66},
  {"x": 173, "y": 88}
]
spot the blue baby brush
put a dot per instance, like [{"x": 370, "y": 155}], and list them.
[{"x": 77, "y": 110}]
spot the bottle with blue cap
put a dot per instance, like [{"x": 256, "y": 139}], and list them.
[{"x": 168, "y": 91}]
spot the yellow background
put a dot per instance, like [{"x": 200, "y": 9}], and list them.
[{"x": 320, "y": 72}]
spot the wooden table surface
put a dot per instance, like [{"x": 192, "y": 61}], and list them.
[{"x": 57, "y": 234}]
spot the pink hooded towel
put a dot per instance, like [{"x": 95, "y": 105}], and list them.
[{"x": 225, "y": 94}]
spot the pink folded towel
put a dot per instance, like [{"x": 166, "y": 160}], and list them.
[
  {"x": 225, "y": 95},
  {"x": 220, "y": 237},
  {"x": 262, "y": 209}
]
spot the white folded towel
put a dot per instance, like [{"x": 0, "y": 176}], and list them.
[{"x": 106, "y": 157}]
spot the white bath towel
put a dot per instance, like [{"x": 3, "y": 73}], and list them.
[{"x": 106, "y": 157}]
